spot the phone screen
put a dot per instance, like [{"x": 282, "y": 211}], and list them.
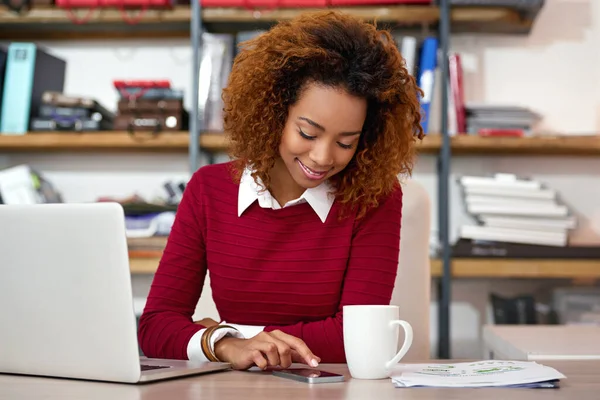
[{"x": 309, "y": 373}]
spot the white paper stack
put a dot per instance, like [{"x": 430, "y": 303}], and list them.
[
  {"x": 515, "y": 210},
  {"x": 488, "y": 373}
]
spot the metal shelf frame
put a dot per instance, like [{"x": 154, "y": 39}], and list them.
[{"x": 444, "y": 284}]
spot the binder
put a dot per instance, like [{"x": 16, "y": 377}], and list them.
[
  {"x": 427, "y": 65},
  {"x": 30, "y": 71},
  {"x": 408, "y": 51},
  {"x": 3, "y": 57}
]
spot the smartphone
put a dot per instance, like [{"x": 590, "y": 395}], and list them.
[{"x": 308, "y": 375}]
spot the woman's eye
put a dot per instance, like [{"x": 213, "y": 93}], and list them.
[
  {"x": 345, "y": 146},
  {"x": 305, "y": 136}
]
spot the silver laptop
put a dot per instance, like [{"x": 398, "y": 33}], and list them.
[{"x": 66, "y": 302}]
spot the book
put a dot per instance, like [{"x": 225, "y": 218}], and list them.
[
  {"x": 457, "y": 91},
  {"x": 530, "y": 223},
  {"x": 486, "y": 373},
  {"x": 30, "y": 71},
  {"x": 215, "y": 67},
  {"x": 509, "y": 192},
  {"x": 525, "y": 236},
  {"x": 499, "y": 181},
  {"x": 426, "y": 76}
]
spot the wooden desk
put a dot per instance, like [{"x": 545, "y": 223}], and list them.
[
  {"x": 542, "y": 342},
  {"x": 583, "y": 383}
]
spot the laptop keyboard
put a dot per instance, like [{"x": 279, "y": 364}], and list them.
[{"x": 151, "y": 367}]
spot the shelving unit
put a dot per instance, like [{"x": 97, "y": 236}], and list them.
[
  {"x": 117, "y": 141},
  {"x": 51, "y": 23},
  {"x": 56, "y": 24}
]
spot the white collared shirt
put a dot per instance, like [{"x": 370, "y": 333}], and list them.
[{"x": 319, "y": 198}]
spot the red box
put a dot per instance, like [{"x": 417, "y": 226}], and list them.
[
  {"x": 304, "y": 3},
  {"x": 268, "y": 4},
  {"x": 143, "y": 84},
  {"x": 238, "y": 3},
  {"x": 114, "y": 3},
  {"x": 376, "y": 2}
]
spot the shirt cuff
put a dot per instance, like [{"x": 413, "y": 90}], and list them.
[
  {"x": 249, "y": 331},
  {"x": 194, "y": 347}
]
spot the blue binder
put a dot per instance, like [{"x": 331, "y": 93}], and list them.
[
  {"x": 427, "y": 65},
  {"x": 30, "y": 71},
  {"x": 3, "y": 57}
]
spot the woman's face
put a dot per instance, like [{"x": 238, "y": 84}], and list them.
[{"x": 321, "y": 134}]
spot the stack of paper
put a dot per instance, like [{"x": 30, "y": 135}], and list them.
[
  {"x": 487, "y": 118},
  {"x": 489, "y": 373},
  {"x": 513, "y": 209}
]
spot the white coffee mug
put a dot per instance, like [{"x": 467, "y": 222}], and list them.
[{"x": 371, "y": 340}]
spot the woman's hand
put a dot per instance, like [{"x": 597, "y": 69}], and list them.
[{"x": 267, "y": 349}]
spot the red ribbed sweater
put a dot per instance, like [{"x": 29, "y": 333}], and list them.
[{"x": 284, "y": 269}]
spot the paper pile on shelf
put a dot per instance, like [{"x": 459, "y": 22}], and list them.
[
  {"x": 511, "y": 209},
  {"x": 488, "y": 373}
]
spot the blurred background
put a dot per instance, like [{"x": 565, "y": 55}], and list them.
[{"x": 97, "y": 99}]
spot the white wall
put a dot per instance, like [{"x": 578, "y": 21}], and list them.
[{"x": 555, "y": 70}]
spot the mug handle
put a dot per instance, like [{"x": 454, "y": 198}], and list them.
[{"x": 408, "y": 338}]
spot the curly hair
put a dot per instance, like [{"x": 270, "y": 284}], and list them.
[{"x": 336, "y": 50}]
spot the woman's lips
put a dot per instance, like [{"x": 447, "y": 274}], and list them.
[{"x": 311, "y": 173}]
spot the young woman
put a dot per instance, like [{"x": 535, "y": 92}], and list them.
[{"x": 323, "y": 117}]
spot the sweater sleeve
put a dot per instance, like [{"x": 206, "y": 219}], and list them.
[
  {"x": 369, "y": 279},
  {"x": 166, "y": 326}
]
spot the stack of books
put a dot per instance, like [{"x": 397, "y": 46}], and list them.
[
  {"x": 514, "y": 210},
  {"x": 495, "y": 120}
]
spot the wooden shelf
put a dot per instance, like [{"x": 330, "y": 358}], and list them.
[
  {"x": 146, "y": 262},
  {"x": 520, "y": 268},
  {"x": 464, "y": 19},
  {"x": 52, "y": 23},
  {"x": 114, "y": 141},
  {"x": 143, "y": 265},
  {"x": 105, "y": 141},
  {"x": 477, "y": 145},
  {"x": 215, "y": 142},
  {"x": 145, "y": 253},
  {"x": 539, "y": 145}
]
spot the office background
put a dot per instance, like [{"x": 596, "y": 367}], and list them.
[{"x": 555, "y": 70}]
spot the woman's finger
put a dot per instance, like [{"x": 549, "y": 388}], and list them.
[
  {"x": 297, "y": 358},
  {"x": 299, "y": 346},
  {"x": 284, "y": 350},
  {"x": 270, "y": 351},
  {"x": 259, "y": 359}
]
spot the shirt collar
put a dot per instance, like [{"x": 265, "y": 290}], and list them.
[{"x": 319, "y": 198}]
